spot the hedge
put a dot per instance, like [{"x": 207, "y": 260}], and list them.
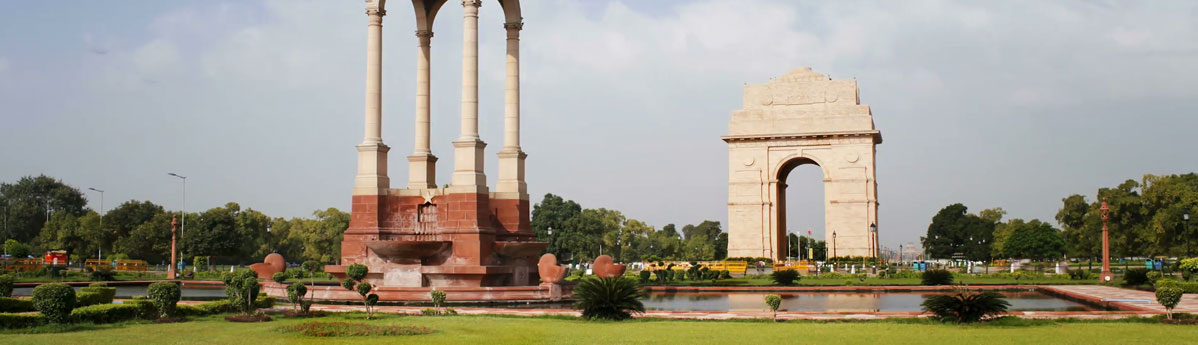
[
  {"x": 1186, "y": 287},
  {"x": 55, "y": 301},
  {"x": 16, "y": 305},
  {"x": 109, "y": 313},
  {"x": 107, "y": 293},
  {"x": 21, "y": 320},
  {"x": 84, "y": 298}
]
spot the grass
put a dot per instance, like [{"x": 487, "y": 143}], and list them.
[{"x": 559, "y": 330}]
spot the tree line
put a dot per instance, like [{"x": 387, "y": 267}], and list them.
[
  {"x": 42, "y": 213},
  {"x": 576, "y": 234},
  {"x": 1146, "y": 218}
]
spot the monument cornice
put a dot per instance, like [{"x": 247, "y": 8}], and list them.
[{"x": 875, "y": 134}]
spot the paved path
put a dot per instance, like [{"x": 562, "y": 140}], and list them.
[
  {"x": 1130, "y": 303},
  {"x": 1124, "y": 299}
]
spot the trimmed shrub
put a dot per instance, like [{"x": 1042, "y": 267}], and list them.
[
  {"x": 84, "y": 298},
  {"x": 965, "y": 306},
  {"x": 165, "y": 295},
  {"x": 1154, "y": 276},
  {"x": 55, "y": 301},
  {"x": 773, "y": 301},
  {"x": 200, "y": 263},
  {"x": 241, "y": 287},
  {"x": 145, "y": 307},
  {"x": 438, "y": 298},
  {"x": 296, "y": 293},
  {"x": 106, "y": 313},
  {"x": 785, "y": 277},
  {"x": 725, "y": 275},
  {"x": 107, "y": 293},
  {"x": 1135, "y": 276},
  {"x": 280, "y": 277},
  {"x": 1186, "y": 287},
  {"x": 937, "y": 277},
  {"x": 356, "y": 273},
  {"x": 644, "y": 275},
  {"x": 21, "y": 320},
  {"x": 608, "y": 298},
  {"x": 6, "y": 283},
  {"x": 1168, "y": 297},
  {"x": 16, "y": 305}
]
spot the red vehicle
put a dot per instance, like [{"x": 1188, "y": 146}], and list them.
[{"x": 56, "y": 258}]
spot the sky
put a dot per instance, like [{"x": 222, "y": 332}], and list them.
[{"x": 1012, "y": 104}]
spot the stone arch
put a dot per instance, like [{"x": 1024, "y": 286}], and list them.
[
  {"x": 426, "y": 12},
  {"x": 801, "y": 118},
  {"x": 511, "y": 11}
]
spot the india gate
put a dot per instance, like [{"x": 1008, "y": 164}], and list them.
[{"x": 800, "y": 118}]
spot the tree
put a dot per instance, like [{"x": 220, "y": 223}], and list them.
[
  {"x": 953, "y": 230},
  {"x": 121, "y": 221},
  {"x": 213, "y": 233},
  {"x": 319, "y": 238},
  {"x": 150, "y": 241},
  {"x": 17, "y": 249},
  {"x": 1083, "y": 236},
  {"x": 1033, "y": 240},
  {"x": 554, "y": 212},
  {"x": 31, "y": 200}
]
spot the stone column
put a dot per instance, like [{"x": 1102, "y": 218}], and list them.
[
  {"x": 372, "y": 153},
  {"x": 422, "y": 169},
  {"x": 511, "y": 158},
  {"x": 468, "y": 149}
]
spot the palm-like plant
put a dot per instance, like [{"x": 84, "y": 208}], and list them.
[
  {"x": 612, "y": 298},
  {"x": 964, "y": 306}
]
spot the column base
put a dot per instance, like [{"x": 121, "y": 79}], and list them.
[
  {"x": 468, "y": 163},
  {"x": 422, "y": 171},
  {"x": 372, "y": 170},
  {"x": 511, "y": 172}
]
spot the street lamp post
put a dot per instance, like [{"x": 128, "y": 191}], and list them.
[
  {"x": 1186, "y": 218},
  {"x": 1106, "y": 253},
  {"x": 183, "y": 211},
  {"x": 100, "y": 247},
  {"x": 833, "y": 243}
]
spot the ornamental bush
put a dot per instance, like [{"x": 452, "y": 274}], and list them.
[
  {"x": 102, "y": 274},
  {"x": 936, "y": 277},
  {"x": 280, "y": 277},
  {"x": 242, "y": 288},
  {"x": 438, "y": 298},
  {"x": 773, "y": 301},
  {"x": 1186, "y": 287},
  {"x": 964, "y": 306},
  {"x": 200, "y": 263},
  {"x": 16, "y": 305},
  {"x": 21, "y": 320},
  {"x": 107, "y": 294},
  {"x": 84, "y": 298},
  {"x": 1080, "y": 274},
  {"x": 356, "y": 273},
  {"x": 644, "y": 275},
  {"x": 1135, "y": 276},
  {"x": 55, "y": 301},
  {"x": 6, "y": 283},
  {"x": 165, "y": 295},
  {"x": 1168, "y": 297},
  {"x": 106, "y": 313},
  {"x": 785, "y": 277},
  {"x": 612, "y": 298}
]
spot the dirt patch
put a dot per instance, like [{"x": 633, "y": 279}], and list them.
[{"x": 248, "y": 318}]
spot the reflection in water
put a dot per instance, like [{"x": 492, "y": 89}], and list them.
[{"x": 840, "y": 301}]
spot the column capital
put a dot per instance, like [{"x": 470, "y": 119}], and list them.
[
  {"x": 517, "y": 26},
  {"x": 376, "y": 12},
  {"x": 474, "y": 3},
  {"x": 425, "y": 37}
]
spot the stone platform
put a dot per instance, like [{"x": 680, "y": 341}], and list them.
[{"x": 535, "y": 293}]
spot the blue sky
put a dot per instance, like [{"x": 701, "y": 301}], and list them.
[{"x": 1012, "y": 104}]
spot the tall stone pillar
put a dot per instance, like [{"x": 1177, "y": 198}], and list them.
[
  {"x": 468, "y": 174},
  {"x": 511, "y": 158},
  {"x": 422, "y": 168},
  {"x": 372, "y": 153}
]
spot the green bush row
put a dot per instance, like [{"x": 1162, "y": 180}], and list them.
[
  {"x": 109, "y": 313},
  {"x": 21, "y": 320},
  {"x": 1186, "y": 287},
  {"x": 16, "y": 305}
]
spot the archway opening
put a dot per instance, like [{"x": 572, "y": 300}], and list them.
[{"x": 801, "y": 207}]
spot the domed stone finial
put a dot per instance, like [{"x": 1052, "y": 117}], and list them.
[
  {"x": 605, "y": 267},
  {"x": 551, "y": 272}
]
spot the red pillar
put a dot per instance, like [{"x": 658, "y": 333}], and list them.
[
  {"x": 1106, "y": 249},
  {"x": 170, "y": 267}
]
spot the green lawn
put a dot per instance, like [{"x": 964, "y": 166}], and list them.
[{"x": 493, "y": 330}]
